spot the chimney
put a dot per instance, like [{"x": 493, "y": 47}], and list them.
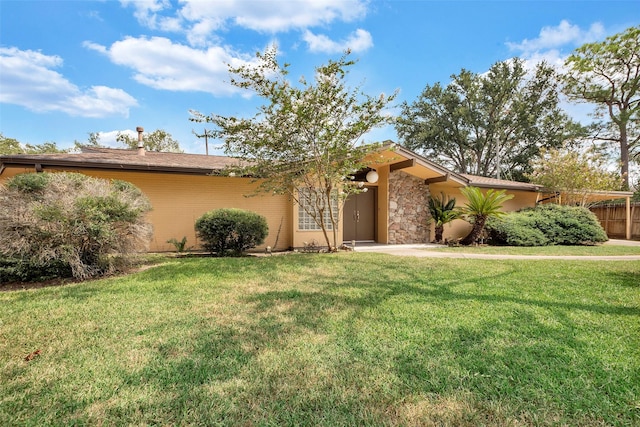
[{"x": 141, "y": 150}]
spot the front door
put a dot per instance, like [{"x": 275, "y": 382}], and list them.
[{"x": 360, "y": 216}]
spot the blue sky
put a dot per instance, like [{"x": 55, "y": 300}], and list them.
[{"x": 68, "y": 68}]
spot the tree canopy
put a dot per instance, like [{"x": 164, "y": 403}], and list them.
[
  {"x": 13, "y": 146},
  {"x": 158, "y": 140},
  {"x": 306, "y": 140},
  {"x": 607, "y": 74},
  {"x": 574, "y": 175},
  {"x": 488, "y": 124}
]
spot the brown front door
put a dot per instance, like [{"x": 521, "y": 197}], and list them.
[{"x": 360, "y": 216}]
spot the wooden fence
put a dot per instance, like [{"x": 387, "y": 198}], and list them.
[{"x": 613, "y": 219}]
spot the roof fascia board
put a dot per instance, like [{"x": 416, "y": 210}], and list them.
[{"x": 108, "y": 166}]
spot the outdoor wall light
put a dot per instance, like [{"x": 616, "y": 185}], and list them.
[{"x": 372, "y": 177}]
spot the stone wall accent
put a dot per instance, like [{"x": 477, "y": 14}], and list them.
[{"x": 408, "y": 209}]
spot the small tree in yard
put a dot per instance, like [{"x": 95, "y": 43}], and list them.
[
  {"x": 573, "y": 175},
  {"x": 72, "y": 219},
  {"x": 481, "y": 207},
  {"x": 231, "y": 231},
  {"x": 306, "y": 141},
  {"x": 443, "y": 211}
]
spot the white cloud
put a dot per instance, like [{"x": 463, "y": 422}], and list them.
[
  {"x": 358, "y": 41},
  {"x": 200, "y": 19},
  {"x": 565, "y": 34},
  {"x": 162, "y": 64},
  {"x": 29, "y": 81}
]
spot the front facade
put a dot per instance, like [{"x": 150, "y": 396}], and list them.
[{"x": 182, "y": 187}]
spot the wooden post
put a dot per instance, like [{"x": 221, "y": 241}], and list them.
[{"x": 628, "y": 218}]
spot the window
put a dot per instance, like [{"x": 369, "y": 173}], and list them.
[{"x": 307, "y": 203}]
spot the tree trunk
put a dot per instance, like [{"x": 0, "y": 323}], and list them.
[
  {"x": 439, "y": 231},
  {"x": 476, "y": 231},
  {"x": 624, "y": 156}
]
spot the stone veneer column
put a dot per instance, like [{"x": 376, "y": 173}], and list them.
[{"x": 408, "y": 209}]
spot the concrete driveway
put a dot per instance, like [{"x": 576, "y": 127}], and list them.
[{"x": 429, "y": 250}]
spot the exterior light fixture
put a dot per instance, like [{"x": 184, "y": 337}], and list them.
[{"x": 372, "y": 177}]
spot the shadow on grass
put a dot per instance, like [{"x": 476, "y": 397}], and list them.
[{"x": 331, "y": 350}]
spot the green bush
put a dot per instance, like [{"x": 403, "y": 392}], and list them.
[
  {"x": 231, "y": 231},
  {"x": 70, "y": 221},
  {"x": 548, "y": 224}
]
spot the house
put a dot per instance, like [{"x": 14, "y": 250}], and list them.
[{"x": 182, "y": 187}]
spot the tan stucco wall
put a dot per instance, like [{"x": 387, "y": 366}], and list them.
[{"x": 179, "y": 200}]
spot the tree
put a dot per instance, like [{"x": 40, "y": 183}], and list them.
[
  {"x": 443, "y": 211},
  {"x": 574, "y": 175},
  {"x": 13, "y": 146},
  {"x": 10, "y": 145},
  {"x": 306, "y": 140},
  {"x": 480, "y": 207},
  {"x": 490, "y": 124},
  {"x": 158, "y": 140},
  {"x": 608, "y": 74}
]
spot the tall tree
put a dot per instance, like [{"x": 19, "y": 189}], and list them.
[
  {"x": 574, "y": 175},
  {"x": 488, "y": 124},
  {"x": 158, "y": 140},
  {"x": 306, "y": 140},
  {"x": 607, "y": 74}
]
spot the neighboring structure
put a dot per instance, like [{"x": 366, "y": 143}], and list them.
[{"x": 181, "y": 187}]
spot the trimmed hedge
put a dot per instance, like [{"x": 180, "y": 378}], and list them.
[
  {"x": 231, "y": 231},
  {"x": 548, "y": 224}
]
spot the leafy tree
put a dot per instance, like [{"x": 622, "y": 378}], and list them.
[
  {"x": 10, "y": 145},
  {"x": 488, "y": 124},
  {"x": 13, "y": 146},
  {"x": 607, "y": 74},
  {"x": 305, "y": 141},
  {"x": 574, "y": 175},
  {"x": 480, "y": 207},
  {"x": 443, "y": 211},
  {"x": 158, "y": 140},
  {"x": 72, "y": 219}
]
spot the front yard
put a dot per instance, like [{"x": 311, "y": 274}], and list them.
[{"x": 344, "y": 339}]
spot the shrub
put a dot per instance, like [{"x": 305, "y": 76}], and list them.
[
  {"x": 514, "y": 230},
  {"x": 548, "y": 224},
  {"x": 72, "y": 221},
  {"x": 231, "y": 231}
]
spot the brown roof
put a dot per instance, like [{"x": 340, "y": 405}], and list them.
[
  {"x": 111, "y": 158},
  {"x": 485, "y": 182}
]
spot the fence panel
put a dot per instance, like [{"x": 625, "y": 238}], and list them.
[{"x": 613, "y": 220}]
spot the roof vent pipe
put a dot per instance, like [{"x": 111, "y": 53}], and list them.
[{"x": 141, "y": 150}]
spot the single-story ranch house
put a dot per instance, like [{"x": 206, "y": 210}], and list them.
[{"x": 182, "y": 187}]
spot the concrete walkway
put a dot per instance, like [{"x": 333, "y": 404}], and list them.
[{"x": 429, "y": 250}]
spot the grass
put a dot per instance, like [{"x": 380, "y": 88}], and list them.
[
  {"x": 601, "y": 250},
  {"x": 345, "y": 339}
]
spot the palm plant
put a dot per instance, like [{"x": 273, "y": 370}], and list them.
[
  {"x": 479, "y": 208},
  {"x": 443, "y": 210}
]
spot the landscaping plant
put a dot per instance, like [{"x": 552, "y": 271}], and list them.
[
  {"x": 70, "y": 221},
  {"x": 443, "y": 210},
  {"x": 231, "y": 231},
  {"x": 481, "y": 207},
  {"x": 548, "y": 224}
]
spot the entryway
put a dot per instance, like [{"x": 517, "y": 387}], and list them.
[{"x": 360, "y": 216}]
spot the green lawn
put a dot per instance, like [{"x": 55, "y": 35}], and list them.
[
  {"x": 335, "y": 340},
  {"x": 600, "y": 250}
]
